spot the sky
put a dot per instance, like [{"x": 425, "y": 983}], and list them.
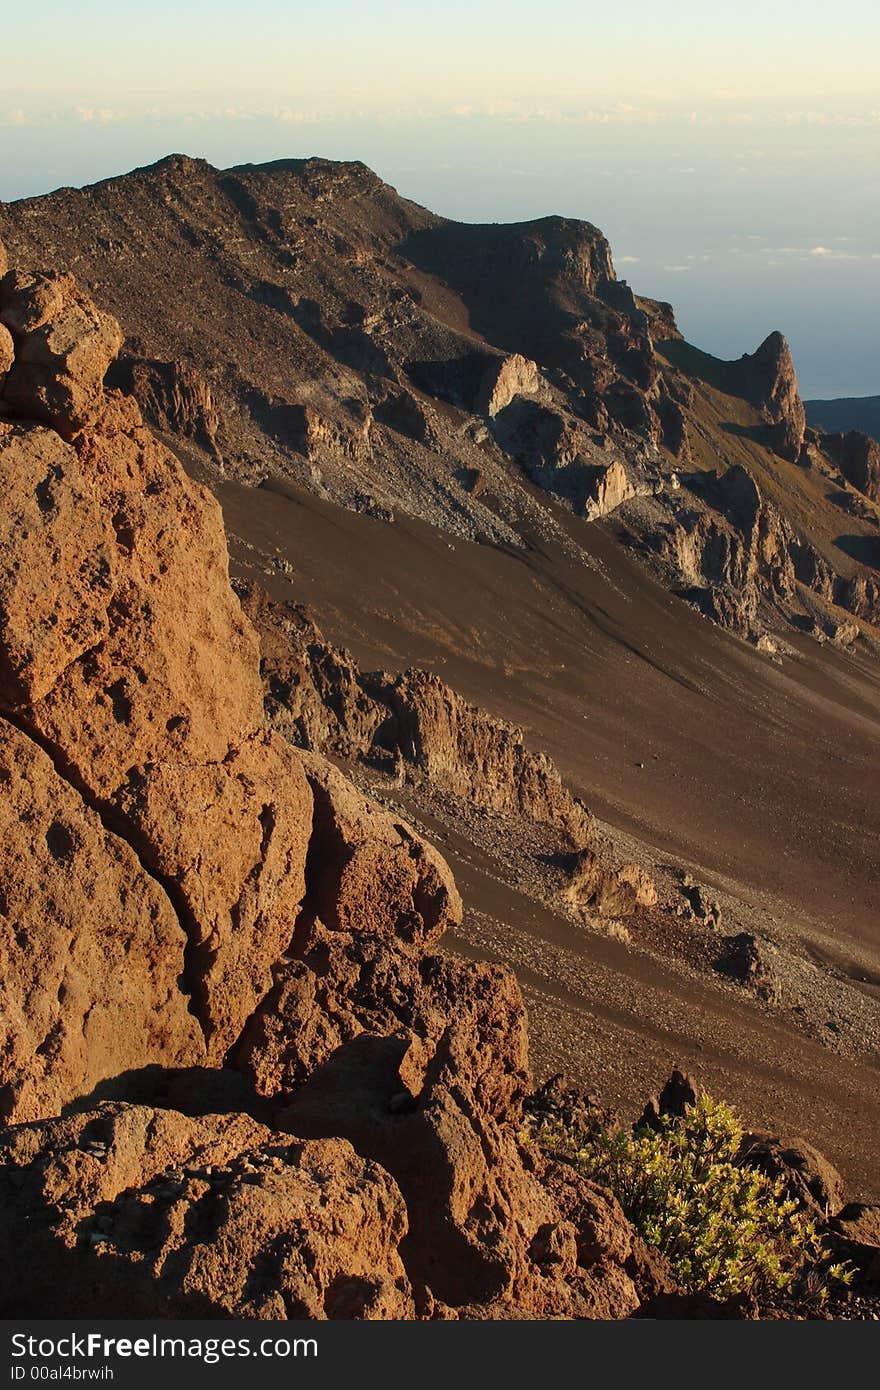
[{"x": 729, "y": 151}]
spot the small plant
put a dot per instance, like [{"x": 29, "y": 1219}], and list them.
[{"x": 723, "y": 1226}]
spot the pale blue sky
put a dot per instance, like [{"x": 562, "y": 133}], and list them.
[{"x": 731, "y": 152}]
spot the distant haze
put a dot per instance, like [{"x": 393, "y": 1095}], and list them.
[{"x": 731, "y": 158}]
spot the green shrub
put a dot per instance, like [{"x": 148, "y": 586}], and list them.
[{"x": 724, "y": 1227}]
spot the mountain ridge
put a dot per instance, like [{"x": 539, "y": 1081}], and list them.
[{"x": 542, "y": 533}]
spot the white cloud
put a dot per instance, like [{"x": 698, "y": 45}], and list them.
[{"x": 99, "y": 115}]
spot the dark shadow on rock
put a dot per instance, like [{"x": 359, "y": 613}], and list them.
[
  {"x": 190, "y": 1090},
  {"x": 865, "y": 549},
  {"x": 758, "y": 434}
]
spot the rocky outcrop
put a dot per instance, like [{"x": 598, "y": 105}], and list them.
[
  {"x": 127, "y": 1211},
  {"x": 858, "y": 458},
  {"x": 124, "y": 655},
  {"x": 806, "y": 1174},
  {"x": 174, "y": 397},
  {"x": 317, "y": 696},
  {"x": 736, "y": 556},
  {"x": 595, "y": 888},
  {"x": 63, "y": 346},
  {"x": 745, "y": 958},
  {"x": 196, "y": 917},
  {"x": 774, "y": 387},
  {"x": 91, "y": 949},
  {"x": 612, "y": 488},
  {"x": 854, "y": 1236},
  {"x": 511, "y": 376}
]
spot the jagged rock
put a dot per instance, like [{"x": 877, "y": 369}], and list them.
[
  {"x": 229, "y": 840},
  {"x": 509, "y": 377},
  {"x": 314, "y": 434},
  {"x": 857, "y": 456},
  {"x": 317, "y": 696},
  {"x": 173, "y": 396},
  {"x": 63, "y": 347},
  {"x": 612, "y": 487},
  {"x": 861, "y": 596},
  {"x": 738, "y": 552},
  {"x": 560, "y": 1104},
  {"x": 7, "y": 352},
  {"x": 292, "y": 918},
  {"x": 641, "y": 882},
  {"x": 155, "y": 721},
  {"x": 153, "y": 684},
  {"x": 843, "y": 633},
  {"x": 854, "y": 1236},
  {"x": 595, "y": 886},
  {"x": 313, "y": 692},
  {"x": 776, "y": 389},
  {"x": 471, "y": 754},
  {"x": 700, "y": 907},
  {"x": 369, "y": 871},
  {"x": 125, "y": 1211},
  {"x": 57, "y": 563},
  {"x": 484, "y": 1230},
  {"x": 404, "y": 412}
]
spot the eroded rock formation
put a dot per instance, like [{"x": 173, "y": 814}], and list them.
[
  {"x": 775, "y": 387},
  {"x": 858, "y": 458},
  {"x": 318, "y": 697}
]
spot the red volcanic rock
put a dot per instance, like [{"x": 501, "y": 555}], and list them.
[
  {"x": 177, "y": 672},
  {"x": 7, "y": 352},
  {"x": 64, "y": 346},
  {"x": 231, "y": 839},
  {"x": 127, "y": 1211},
  {"x": 57, "y": 563},
  {"x": 369, "y": 870},
  {"x": 423, "y": 1065},
  {"x": 808, "y": 1175},
  {"x": 182, "y": 886},
  {"x": 91, "y": 950}
]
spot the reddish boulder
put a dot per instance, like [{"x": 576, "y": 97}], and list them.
[
  {"x": 125, "y": 1211},
  {"x": 91, "y": 950},
  {"x": 63, "y": 347}
]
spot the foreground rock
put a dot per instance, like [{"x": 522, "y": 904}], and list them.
[
  {"x": 124, "y": 1211},
  {"x": 182, "y": 889}
]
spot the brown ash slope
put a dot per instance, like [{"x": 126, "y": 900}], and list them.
[{"x": 471, "y": 450}]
